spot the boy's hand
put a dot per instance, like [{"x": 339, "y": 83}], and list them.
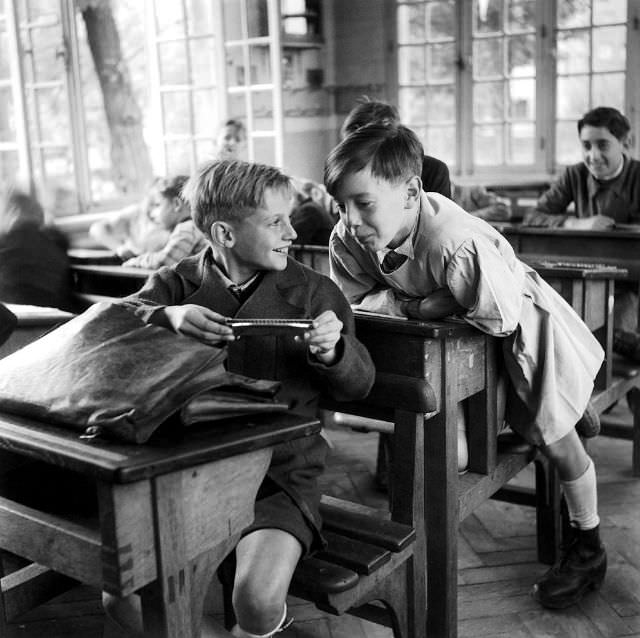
[
  {"x": 323, "y": 338},
  {"x": 200, "y": 323},
  {"x": 438, "y": 305}
]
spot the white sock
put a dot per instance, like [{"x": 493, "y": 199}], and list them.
[
  {"x": 463, "y": 445},
  {"x": 582, "y": 499},
  {"x": 242, "y": 633}
]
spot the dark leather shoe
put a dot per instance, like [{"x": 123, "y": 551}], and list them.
[
  {"x": 589, "y": 424},
  {"x": 581, "y": 568}
]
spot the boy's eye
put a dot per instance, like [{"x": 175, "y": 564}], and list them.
[{"x": 364, "y": 204}]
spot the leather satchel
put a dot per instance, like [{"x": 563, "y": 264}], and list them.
[{"x": 107, "y": 372}]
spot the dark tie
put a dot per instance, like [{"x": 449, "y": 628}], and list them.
[{"x": 392, "y": 261}]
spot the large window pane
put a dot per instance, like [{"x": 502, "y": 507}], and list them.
[
  {"x": 411, "y": 24},
  {"x": 521, "y": 56},
  {"x": 170, "y": 20},
  {"x": 411, "y": 64},
  {"x": 441, "y": 20},
  {"x": 488, "y": 58},
  {"x": 521, "y": 144},
  {"x": 488, "y": 145},
  {"x": 440, "y": 105},
  {"x": 199, "y": 17},
  {"x": 567, "y": 147},
  {"x": 572, "y": 96},
  {"x": 171, "y": 60},
  {"x": 176, "y": 113},
  {"x": 440, "y": 142},
  {"x": 573, "y": 51},
  {"x": 609, "y": 48},
  {"x": 203, "y": 61},
  {"x": 205, "y": 111},
  {"x": 521, "y": 16},
  {"x": 260, "y": 61},
  {"x": 608, "y": 88},
  {"x": 441, "y": 59},
  {"x": 522, "y": 99},
  {"x": 412, "y": 103},
  {"x": 9, "y": 166},
  {"x": 232, "y": 20},
  {"x": 609, "y": 11},
  {"x": 7, "y": 116},
  {"x": 573, "y": 13},
  {"x": 257, "y": 18},
  {"x": 488, "y": 102},
  {"x": 488, "y": 16}
]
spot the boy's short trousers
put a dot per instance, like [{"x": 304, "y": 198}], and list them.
[{"x": 274, "y": 508}]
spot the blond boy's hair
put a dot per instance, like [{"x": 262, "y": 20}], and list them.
[{"x": 229, "y": 190}]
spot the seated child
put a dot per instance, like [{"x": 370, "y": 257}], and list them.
[
  {"x": 309, "y": 217},
  {"x": 131, "y": 231},
  {"x": 402, "y": 251},
  {"x": 243, "y": 209},
  {"x": 482, "y": 203},
  {"x": 170, "y": 211}
]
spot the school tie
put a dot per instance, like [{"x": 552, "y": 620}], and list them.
[{"x": 392, "y": 261}]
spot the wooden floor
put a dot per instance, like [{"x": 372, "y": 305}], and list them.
[{"x": 497, "y": 562}]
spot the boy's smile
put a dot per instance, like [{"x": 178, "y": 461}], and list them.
[
  {"x": 262, "y": 238},
  {"x": 377, "y": 213},
  {"x": 602, "y": 151}
]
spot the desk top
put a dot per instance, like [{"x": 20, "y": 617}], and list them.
[
  {"x": 93, "y": 256},
  {"x": 38, "y": 315},
  {"x": 117, "y": 462},
  {"x": 622, "y": 231},
  {"x": 426, "y": 329},
  {"x": 112, "y": 270}
]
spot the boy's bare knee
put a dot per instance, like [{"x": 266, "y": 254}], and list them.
[
  {"x": 258, "y": 608},
  {"x": 568, "y": 455}
]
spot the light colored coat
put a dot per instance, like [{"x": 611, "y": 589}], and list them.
[{"x": 551, "y": 356}]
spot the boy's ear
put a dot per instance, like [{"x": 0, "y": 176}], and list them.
[
  {"x": 222, "y": 234},
  {"x": 414, "y": 188}
]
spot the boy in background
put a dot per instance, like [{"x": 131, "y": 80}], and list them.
[
  {"x": 243, "y": 209},
  {"x": 401, "y": 251}
]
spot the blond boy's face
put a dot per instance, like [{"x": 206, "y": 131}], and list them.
[
  {"x": 373, "y": 210},
  {"x": 263, "y": 238}
]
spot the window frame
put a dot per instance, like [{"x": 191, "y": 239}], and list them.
[{"x": 545, "y": 164}]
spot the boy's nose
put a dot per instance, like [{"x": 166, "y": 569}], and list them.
[
  {"x": 290, "y": 231},
  {"x": 352, "y": 218}
]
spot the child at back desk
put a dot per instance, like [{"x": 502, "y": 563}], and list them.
[
  {"x": 401, "y": 251},
  {"x": 243, "y": 210}
]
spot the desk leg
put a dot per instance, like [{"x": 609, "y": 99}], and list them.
[
  {"x": 442, "y": 508},
  {"x": 198, "y": 518}
]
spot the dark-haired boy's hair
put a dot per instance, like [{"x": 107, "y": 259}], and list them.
[
  {"x": 606, "y": 117},
  {"x": 228, "y": 190},
  {"x": 171, "y": 187},
  {"x": 392, "y": 153},
  {"x": 368, "y": 111}
]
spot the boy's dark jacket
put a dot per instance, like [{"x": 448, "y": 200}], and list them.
[{"x": 297, "y": 292}]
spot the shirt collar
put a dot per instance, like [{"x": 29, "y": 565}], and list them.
[{"x": 405, "y": 248}]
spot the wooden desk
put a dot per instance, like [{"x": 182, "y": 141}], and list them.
[
  {"x": 590, "y": 292},
  {"x": 93, "y": 256},
  {"x": 33, "y": 322},
  {"x": 429, "y": 368},
  {"x": 168, "y": 511},
  {"x": 102, "y": 280},
  {"x": 612, "y": 247}
]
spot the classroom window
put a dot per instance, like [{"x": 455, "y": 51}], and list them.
[
  {"x": 497, "y": 86},
  {"x": 97, "y": 98}
]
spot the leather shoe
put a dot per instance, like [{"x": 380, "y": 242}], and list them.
[
  {"x": 589, "y": 424},
  {"x": 582, "y": 567}
]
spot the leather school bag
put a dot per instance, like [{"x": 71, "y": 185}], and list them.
[{"x": 107, "y": 372}]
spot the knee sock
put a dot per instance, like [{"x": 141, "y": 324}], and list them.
[
  {"x": 463, "y": 445},
  {"x": 582, "y": 499},
  {"x": 282, "y": 624}
]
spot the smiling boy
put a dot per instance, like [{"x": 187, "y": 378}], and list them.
[
  {"x": 604, "y": 187},
  {"x": 243, "y": 209}
]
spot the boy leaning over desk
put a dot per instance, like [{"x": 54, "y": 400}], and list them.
[
  {"x": 243, "y": 210},
  {"x": 401, "y": 251}
]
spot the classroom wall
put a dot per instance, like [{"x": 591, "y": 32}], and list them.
[{"x": 351, "y": 62}]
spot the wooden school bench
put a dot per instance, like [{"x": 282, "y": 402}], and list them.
[
  {"x": 156, "y": 519},
  {"x": 98, "y": 282}
]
